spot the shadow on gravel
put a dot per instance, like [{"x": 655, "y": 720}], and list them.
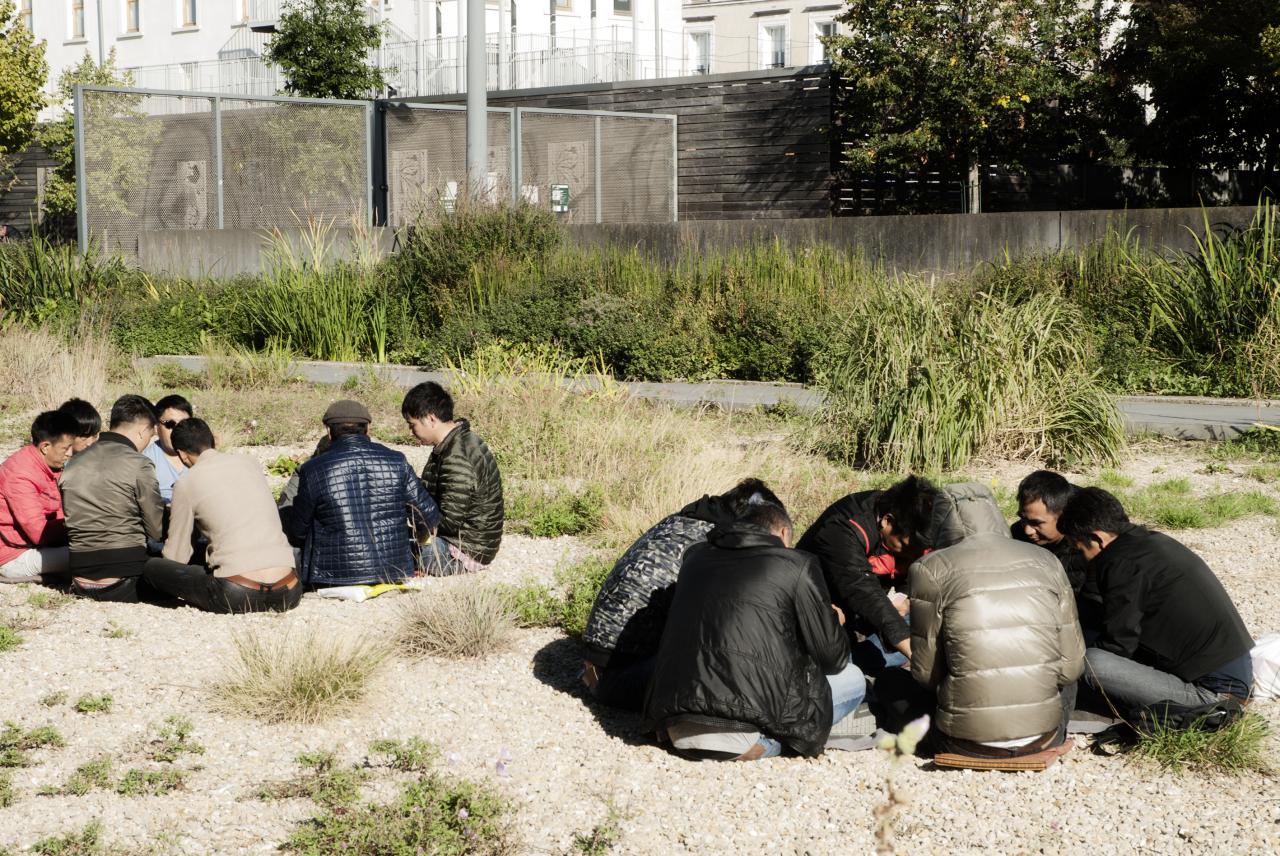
[{"x": 559, "y": 664}]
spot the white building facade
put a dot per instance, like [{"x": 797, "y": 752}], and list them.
[
  {"x": 724, "y": 36},
  {"x": 216, "y": 45}
]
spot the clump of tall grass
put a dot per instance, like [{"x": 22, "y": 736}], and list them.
[
  {"x": 925, "y": 378},
  {"x": 43, "y": 368},
  {"x": 1237, "y": 748},
  {"x": 298, "y": 676},
  {"x": 238, "y": 368},
  {"x": 458, "y": 622},
  {"x": 46, "y": 282},
  {"x": 326, "y": 309}
]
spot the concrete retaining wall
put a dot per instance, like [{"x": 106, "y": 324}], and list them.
[{"x": 232, "y": 252}]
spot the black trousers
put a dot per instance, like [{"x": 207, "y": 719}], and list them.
[{"x": 200, "y": 588}]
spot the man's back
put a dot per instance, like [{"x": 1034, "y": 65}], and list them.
[
  {"x": 994, "y": 631},
  {"x": 110, "y": 497},
  {"x": 749, "y": 638},
  {"x": 353, "y": 513},
  {"x": 463, "y": 477}
]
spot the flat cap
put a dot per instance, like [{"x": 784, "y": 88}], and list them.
[{"x": 347, "y": 411}]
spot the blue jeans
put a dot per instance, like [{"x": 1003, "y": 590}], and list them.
[
  {"x": 437, "y": 561},
  {"x": 873, "y": 657},
  {"x": 1132, "y": 686},
  {"x": 848, "y": 689}
]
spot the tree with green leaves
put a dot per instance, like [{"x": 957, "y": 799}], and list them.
[
  {"x": 323, "y": 46},
  {"x": 122, "y": 136},
  {"x": 937, "y": 86},
  {"x": 1210, "y": 74},
  {"x": 23, "y": 71}
]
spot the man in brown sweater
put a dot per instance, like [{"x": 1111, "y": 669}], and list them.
[{"x": 251, "y": 565}]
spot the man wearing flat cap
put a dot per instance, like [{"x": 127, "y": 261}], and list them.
[{"x": 359, "y": 507}]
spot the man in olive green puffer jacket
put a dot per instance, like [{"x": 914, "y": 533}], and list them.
[
  {"x": 994, "y": 634},
  {"x": 462, "y": 476}
]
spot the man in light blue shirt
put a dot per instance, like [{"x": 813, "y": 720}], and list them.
[{"x": 171, "y": 410}]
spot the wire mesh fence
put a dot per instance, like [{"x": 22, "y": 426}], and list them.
[{"x": 154, "y": 160}]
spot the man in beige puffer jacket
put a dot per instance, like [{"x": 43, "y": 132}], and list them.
[{"x": 994, "y": 634}]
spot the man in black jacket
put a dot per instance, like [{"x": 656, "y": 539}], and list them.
[
  {"x": 462, "y": 476},
  {"x": 865, "y": 542},
  {"x": 753, "y": 657},
  {"x": 625, "y": 626},
  {"x": 1041, "y": 498},
  {"x": 1170, "y": 632}
]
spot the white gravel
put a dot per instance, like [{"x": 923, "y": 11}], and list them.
[{"x": 570, "y": 758}]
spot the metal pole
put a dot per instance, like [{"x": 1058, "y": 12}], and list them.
[
  {"x": 477, "y": 99},
  {"x": 217, "y": 156},
  {"x": 599, "y": 189},
  {"x": 657, "y": 39},
  {"x": 369, "y": 116},
  {"x": 591, "y": 66},
  {"x": 635, "y": 39},
  {"x": 82, "y": 218},
  {"x": 102, "y": 38},
  {"x": 675, "y": 170},
  {"x": 517, "y": 136},
  {"x": 417, "y": 47},
  {"x": 502, "y": 39},
  {"x": 458, "y": 43}
]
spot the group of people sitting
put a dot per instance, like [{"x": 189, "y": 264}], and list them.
[
  {"x": 150, "y": 508},
  {"x": 737, "y": 645}
]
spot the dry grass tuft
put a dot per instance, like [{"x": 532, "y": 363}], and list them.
[
  {"x": 44, "y": 369},
  {"x": 460, "y": 621},
  {"x": 298, "y": 676}
]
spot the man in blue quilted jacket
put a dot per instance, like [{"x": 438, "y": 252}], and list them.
[{"x": 359, "y": 507}]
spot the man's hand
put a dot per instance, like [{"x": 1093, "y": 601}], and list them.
[
  {"x": 904, "y": 647},
  {"x": 839, "y": 614}
]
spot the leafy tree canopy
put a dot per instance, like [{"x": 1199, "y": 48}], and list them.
[
  {"x": 323, "y": 46},
  {"x": 23, "y": 71}
]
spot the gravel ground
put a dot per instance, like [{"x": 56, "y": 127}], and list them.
[{"x": 570, "y": 759}]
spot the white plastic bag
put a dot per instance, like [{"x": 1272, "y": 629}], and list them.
[{"x": 1266, "y": 667}]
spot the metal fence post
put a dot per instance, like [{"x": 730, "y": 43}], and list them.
[
  {"x": 368, "y": 161},
  {"x": 675, "y": 170},
  {"x": 517, "y": 172},
  {"x": 599, "y": 183},
  {"x": 512, "y": 169},
  {"x": 82, "y": 218},
  {"x": 217, "y": 157}
]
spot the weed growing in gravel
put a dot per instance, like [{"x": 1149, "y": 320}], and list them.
[
  {"x": 1170, "y": 505},
  {"x": 1237, "y": 748},
  {"x": 560, "y": 513},
  {"x": 567, "y": 606},
  {"x": 9, "y": 638},
  {"x": 89, "y": 776},
  {"x": 85, "y": 842},
  {"x": 414, "y": 755},
  {"x": 299, "y": 676},
  {"x": 48, "y": 599},
  {"x": 533, "y": 604},
  {"x": 1260, "y": 444},
  {"x": 603, "y": 837},
  {"x": 114, "y": 630},
  {"x": 323, "y": 781},
  {"x": 16, "y": 743},
  {"x": 138, "y": 782},
  {"x": 7, "y": 794},
  {"x": 460, "y": 621},
  {"x": 431, "y": 815},
  {"x": 283, "y": 466},
  {"x": 1113, "y": 480},
  {"x": 89, "y": 703},
  {"x": 173, "y": 740},
  {"x": 53, "y": 699}
]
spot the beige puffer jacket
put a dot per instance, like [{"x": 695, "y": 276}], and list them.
[{"x": 994, "y": 632}]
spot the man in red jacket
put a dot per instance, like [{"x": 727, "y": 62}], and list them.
[{"x": 33, "y": 534}]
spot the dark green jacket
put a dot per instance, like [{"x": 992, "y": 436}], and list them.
[{"x": 463, "y": 478}]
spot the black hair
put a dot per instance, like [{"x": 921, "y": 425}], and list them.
[
  {"x": 1091, "y": 510},
  {"x": 193, "y": 436},
  {"x": 338, "y": 430},
  {"x": 428, "y": 399},
  {"x": 132, "y": 408},
  {"x": 1048, "y": 487},
  {"x": 749, "y": 492},
  {"x": 86, "y": 416},
  {"x": 174, "y": 402},
  {"x": 909, "y": 506},
  {"x": 53, "y": 424},
  {"x": 767, "y": 516}
]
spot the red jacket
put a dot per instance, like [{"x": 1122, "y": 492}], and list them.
[{"x": 30, "y": 505}]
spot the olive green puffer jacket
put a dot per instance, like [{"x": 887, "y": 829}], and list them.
[
  {"x": 463, "y": 478},
  {"x": 994, "y": 632}
]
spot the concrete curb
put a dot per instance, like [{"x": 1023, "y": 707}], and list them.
[{"x": 1181, "y": 417}]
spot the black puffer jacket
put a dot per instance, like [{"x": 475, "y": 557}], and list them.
[
  {"x": 353, "y": 513},
  {"x": 630, "y": 611},
  {"x": 749, "y": 640},
  {"x": 463, "y": 477}
]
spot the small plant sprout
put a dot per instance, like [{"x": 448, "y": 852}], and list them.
[
  {"x": 902, "y": 745},
  {"x": 89, "y": 703}
]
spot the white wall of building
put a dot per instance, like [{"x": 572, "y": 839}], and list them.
[{"x": 722, "y": 36}]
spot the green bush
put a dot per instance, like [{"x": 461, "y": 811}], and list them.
[
  {"x": 323, "y": 780},
  {"x": 568, "y": 605},
  {"x": 560, "y": 513}
]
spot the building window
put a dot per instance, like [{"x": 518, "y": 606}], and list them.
[
  {"x": 24, "y": 15},
  {"x": 188, "y": 13},
  {"x": 132, "y": 16},
  {"x": 77, "y": 19},
  {"x": 564, "y": 5},
  {"x": 773, "y": 45},
  {"x": 699, "y": 57},
  {"x": 819, "y": 53},
  {"x": 622, "y": 7}
]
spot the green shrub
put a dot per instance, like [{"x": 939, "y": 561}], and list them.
[
  {"x": 431, "y": 815},
  {"x": 533, "y": 605},
  {"x": 173, "y": 740},
  {"x": 42, "y": 282},
  {"x": 91, "y": 775},
  {"x": 568, "y": 606},
  {"x": 8, "y": 796},
  {"x": 85, "y": 842},
  {"x": 89, "y": 703},
  {"x": 559, "y": 513}
]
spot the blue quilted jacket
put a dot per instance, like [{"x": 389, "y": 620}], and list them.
[{"x": 358, "y": 508}]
